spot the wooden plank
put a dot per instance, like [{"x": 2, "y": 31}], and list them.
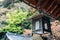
[
  {"x": 53, "y": 9},
  {"x": 55, "y": 12},
  {"x": 58, "y": 15},
  {"x": 50, "y": 5},
  {"x": 42, "y": 2},
  {"x": 43, "y": 5}
]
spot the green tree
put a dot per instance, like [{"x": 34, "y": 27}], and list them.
[{"x": 13, "y": 19}]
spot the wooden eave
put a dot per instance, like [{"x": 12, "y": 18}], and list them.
[{"x": 50, "y": 7}]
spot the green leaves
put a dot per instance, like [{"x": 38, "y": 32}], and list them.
[
  {"x": 16, "y": 17},
  {"x": 27, "y": 25},
  {"x": 12, "y": 19}
]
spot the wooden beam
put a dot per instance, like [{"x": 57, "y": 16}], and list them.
[
  {"x": 58, "y": 16},
  {"x": 43, "y": 5},
  {"x": 54, "y": 8},
  {"x": 51, "y": 5},
  {"x": 55, "y": 13},
  {"x": 58, "y": 13}
]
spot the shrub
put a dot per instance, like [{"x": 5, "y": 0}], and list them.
[{"x": 12, "y": 19}]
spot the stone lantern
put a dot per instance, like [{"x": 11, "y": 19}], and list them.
[{"x": 41, "y": 23}]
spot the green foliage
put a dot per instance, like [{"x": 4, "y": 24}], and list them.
[
  {"x": 27, "y": 25},
  {"x": 12, "y": 19},
  {"x": 16, "y": 16}
]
